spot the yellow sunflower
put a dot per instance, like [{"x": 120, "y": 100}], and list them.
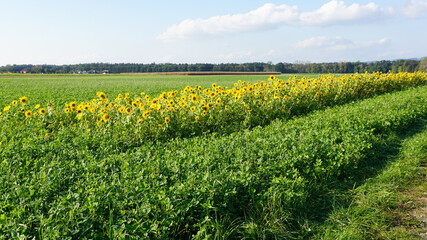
[
  {"x": 28, "y": 113},
  {"x": 167, "y": 120},
  {"x": 105, "y": 117},
  {"x": 7, "y": 108},
  {"x": 23, "y": 100},
  {"x": 73, "y": 104}
]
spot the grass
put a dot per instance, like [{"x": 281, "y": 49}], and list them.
[
  {"x": 252, "y": 184},
  {"x": 380, "y": 208}
]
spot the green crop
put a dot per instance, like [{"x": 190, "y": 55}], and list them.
[{"x": 248, "y": 184}]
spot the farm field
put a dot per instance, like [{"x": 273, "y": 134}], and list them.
[
  {"x": 57, "y": 88},
  {"x": 192, "y": 157}
]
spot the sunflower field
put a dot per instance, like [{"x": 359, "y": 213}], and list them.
[
  {"x": 250, "y": 161},
  {"x": 194, "y": 110}
]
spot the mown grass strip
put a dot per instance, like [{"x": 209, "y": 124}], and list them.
[
  {"x": 251, "y": 184},
  {"x": 380, "y": 208}
]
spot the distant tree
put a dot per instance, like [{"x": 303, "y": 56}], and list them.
[
  {"x": 423, "y": 65},
  {"x": 279, "y": 67}
]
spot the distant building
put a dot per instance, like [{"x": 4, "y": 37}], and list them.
[
  {"x": 105, "y": 71},
  {"x": 25, "y": 70}
]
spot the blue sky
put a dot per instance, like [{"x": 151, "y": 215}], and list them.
[{"x": 189, "y": 31}]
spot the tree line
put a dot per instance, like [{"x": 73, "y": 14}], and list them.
[{"x": 296, "y": 67}]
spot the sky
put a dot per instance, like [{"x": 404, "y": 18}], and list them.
[{"x": 219, "y": 31}]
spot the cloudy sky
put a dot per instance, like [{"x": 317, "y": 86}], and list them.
[{"x": 194, "y": 31}]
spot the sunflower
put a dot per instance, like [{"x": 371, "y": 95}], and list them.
[
  {"x": 42, "y": 111},
  {"x": 146, "y": 114},
  {"x": 14, "y": 102},
  {"x": 197, "y": 118},
  {"x": 105, "y": 117},
  {"x": 167, "y": 120},
  {"x": 67, "y": 110},
  {"x": 139, "y": 120},
  {"x": 7, "y": 108},
  {"x": 182, "y": 103},
  {"x": 128, "y": 110},
  {"x": 101, "y": 95},
  {"x": 28, "y": 113},
  {"x": 73, "y": 104},
  {"x": 37, "y": 106},
  {"x": 23, "y": 100},
  {"x": 193, "y": 108},
  {"x": 195, "y": 98}
]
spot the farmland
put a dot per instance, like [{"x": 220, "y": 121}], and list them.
[
  {"x": 61, "y": 88},
  {"x": 192, "y": 157}
]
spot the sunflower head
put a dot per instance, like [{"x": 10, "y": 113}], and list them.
[
  {"x": 195, "y": 98},
  {"x": 105, "y": 117},
  {"x": 42, "y": 111},
  {"x": 146, "y": 114},
  {"x": 101, "y": 95},
  {"x": 23, "y": 100},
  {"x": 73, "y": 104},
  {"x": 28, "y": 113},
  {"x": 7, "y": 108},
  {"x": 167, "y": 120}
]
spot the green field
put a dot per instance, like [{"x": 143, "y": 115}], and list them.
[
  {"x": 280, "y": 161},
  {"x": 61, "y": 88}
]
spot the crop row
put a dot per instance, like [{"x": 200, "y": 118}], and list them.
[
  {"x": 193, "y": 111},
  {"x": 246, "y": 184}
]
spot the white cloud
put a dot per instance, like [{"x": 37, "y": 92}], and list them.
[
  {"x": 337, "y": 43},
  {"x": 267, "y": 16},
  {"x": 336, "y": 12},
  {"x": 272, "y": 16},
  {"x": 414, "y": 8}
]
